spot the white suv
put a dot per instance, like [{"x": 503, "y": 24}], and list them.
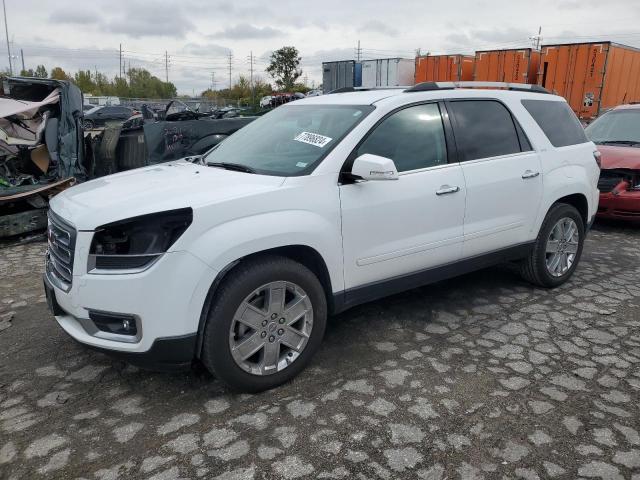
[{"x": 237, "y": 257}]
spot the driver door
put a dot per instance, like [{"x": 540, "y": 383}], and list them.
[{"x": 393, "y": 228}]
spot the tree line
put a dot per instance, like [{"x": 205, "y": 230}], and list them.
[
  {"x": 284, "y": 68},
  {"x": 137, "y": 83}
]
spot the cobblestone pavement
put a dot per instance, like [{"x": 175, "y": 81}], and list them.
[{"x": 478, "y": 377}]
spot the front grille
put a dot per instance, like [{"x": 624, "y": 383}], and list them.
[{"x": 61, "y": 244}]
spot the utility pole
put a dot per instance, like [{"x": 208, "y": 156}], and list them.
[
  {"x": 22, "y": 57},
  {"x": 6, "y": 30},
  {"x": 358, "y": 52},
  {"x": 537, "y": 39},
  {"x": 250, "y": 58},
  {"x": 166, "y": 66},
  {"x": 120, "y": 70},
  {"x": 230, "y": 60},
  {"x": 213, "y": 81}
]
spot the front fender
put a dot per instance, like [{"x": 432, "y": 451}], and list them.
[{"x": 232, "y": 240}]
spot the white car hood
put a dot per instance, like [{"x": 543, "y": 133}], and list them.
[{"x": 154, "y": 189}]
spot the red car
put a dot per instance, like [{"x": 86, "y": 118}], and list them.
[{"x": 617, "y": 135}]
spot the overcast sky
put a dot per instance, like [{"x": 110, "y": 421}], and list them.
[{"x": 199, "y": 33}]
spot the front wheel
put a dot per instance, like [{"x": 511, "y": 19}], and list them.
[
  {"x": 558, "y": 248},
  {"x": 88, "y": 124},
  {"x": 266, "y": 321}
]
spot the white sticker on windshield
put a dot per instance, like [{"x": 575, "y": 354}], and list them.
[
  {"x": 313, "y": 139},
  {"x": 301, "y": 164}
]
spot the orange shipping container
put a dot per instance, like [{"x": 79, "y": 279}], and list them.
[
  {"x": 444, "y": 68},
  {"x": 515, "y": 65},
  {"x": 591, "y": 76}
]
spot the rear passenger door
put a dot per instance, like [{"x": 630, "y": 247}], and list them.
[{"x": 502, "y": 175}]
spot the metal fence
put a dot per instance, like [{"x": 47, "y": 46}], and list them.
[{"x": 200, "y": 104}]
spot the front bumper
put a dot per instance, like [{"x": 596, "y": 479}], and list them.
[
  {"x": 623, "y": 206},
  {"x": 167, "y": 301}
]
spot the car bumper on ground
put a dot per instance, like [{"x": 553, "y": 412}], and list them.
[
  {"x": 624, "y": 205},
  {"x": 164, "y": 303}
]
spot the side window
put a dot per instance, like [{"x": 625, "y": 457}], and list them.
[
  {"x": 412, "y": 137},
  {"x": 557, "y": 121},
  {"x": 483, "y": 128}
]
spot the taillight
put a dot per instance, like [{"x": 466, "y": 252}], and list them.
[{"x": 597, "y": 155}]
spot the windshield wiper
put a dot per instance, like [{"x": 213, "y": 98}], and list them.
[
  {"x": 232, "y": 166},
  {"x": 618, "y": 142}
]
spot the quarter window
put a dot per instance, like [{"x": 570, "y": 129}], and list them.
[
  {"x": 412, "y": 137},
  {"x": 557, "y": 121},
  {"x": 484, "y": 128}
]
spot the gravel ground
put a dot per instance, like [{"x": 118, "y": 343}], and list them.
[{"x": 478, "y": 377}]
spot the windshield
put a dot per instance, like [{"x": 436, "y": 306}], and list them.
[
  {"x": 618, "y": 126},
  {"x": 291, "y": 140}
]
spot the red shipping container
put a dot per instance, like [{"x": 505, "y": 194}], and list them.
[
  {"x": 592, "y": 76},
  {"x": 513, "y": 65},
  {"x": 444, "y": 68}
]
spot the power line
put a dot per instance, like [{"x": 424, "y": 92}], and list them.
[{"x": 6, "y": 30}]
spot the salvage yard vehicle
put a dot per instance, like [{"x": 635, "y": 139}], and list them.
[
  {"x": 41, "y": 149},
  {"x": 236, "y": 258},
  {"x": 617, "y": 135},
  {"x": 102, "y": 115}
]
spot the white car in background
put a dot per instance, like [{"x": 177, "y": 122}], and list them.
[
  {"x": 236, "y": 258},
  {"x": 265, "y": 102}
]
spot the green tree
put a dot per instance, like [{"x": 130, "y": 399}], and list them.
[
  {"x": 284, "y": 67},
  {"x": 83, "y": 80},
  {"x": 58, "y": 73},
  {"x": 27, "y": 73},
  {"x": 41, "y": 72}
]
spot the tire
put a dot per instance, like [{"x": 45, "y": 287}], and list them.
[
  {"x": 543, "y": 267},
  {"x": 243, "y": 293},
  {"x": 88, "y": 124}
]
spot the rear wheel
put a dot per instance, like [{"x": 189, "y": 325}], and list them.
[
  {"x": 558, "y": 248},
  {"x": 265, "y": 324}
]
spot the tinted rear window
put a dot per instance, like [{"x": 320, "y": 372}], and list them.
[
  {"x": 483, "y": 129},
  {"x": 557, "y": 121}
]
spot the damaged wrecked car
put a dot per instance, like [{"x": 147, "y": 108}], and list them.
[
  {"x": 44, "y": 148},
  {"x": 617, "y": 136},
  {"x": 41, "y": 149}
]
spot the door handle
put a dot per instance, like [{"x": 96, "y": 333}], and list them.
[
  {"x": 530, "y": 174},
  {"x": 445, "y": 189}
]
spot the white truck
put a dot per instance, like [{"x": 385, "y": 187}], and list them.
[{"x": 235, "y": 258}]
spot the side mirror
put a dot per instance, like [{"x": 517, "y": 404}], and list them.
[{"x": 374, "y": 167}]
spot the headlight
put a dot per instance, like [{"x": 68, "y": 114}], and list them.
[{"x": 135, "y": 243}]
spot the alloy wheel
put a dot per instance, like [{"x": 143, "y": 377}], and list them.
[
  {"x": 562, "y": 247},
  {"x": 271, "y": 328}
]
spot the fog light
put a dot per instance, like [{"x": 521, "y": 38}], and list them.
[{"x": 117, "y": 323}]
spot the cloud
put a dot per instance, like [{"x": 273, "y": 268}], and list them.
[
  {"x": 208, "y": 49},
  {"x": 478, "y": 39},
  {"x": 71, "y": 17},
  {"x": 376, "y": 26},
  {"x": 148, "y": 20},
  {"x": 244, "y": 31}
]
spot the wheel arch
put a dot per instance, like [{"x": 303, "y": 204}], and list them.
[
  {"x": 579, "y": 202},
  {"x": 303, "y": 254}
]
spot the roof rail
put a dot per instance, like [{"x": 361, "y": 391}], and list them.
[
  {"x": 364, "y": 89},
  {"x": 430, "y": 86}
]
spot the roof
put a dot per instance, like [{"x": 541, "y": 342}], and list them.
[
  {"x": 429, "y": 90},
  {"x": 362, "y": 97},
  {"x": 627, "y": 106}
]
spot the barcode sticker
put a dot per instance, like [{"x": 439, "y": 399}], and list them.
[{"x": 313, "y": 139}]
